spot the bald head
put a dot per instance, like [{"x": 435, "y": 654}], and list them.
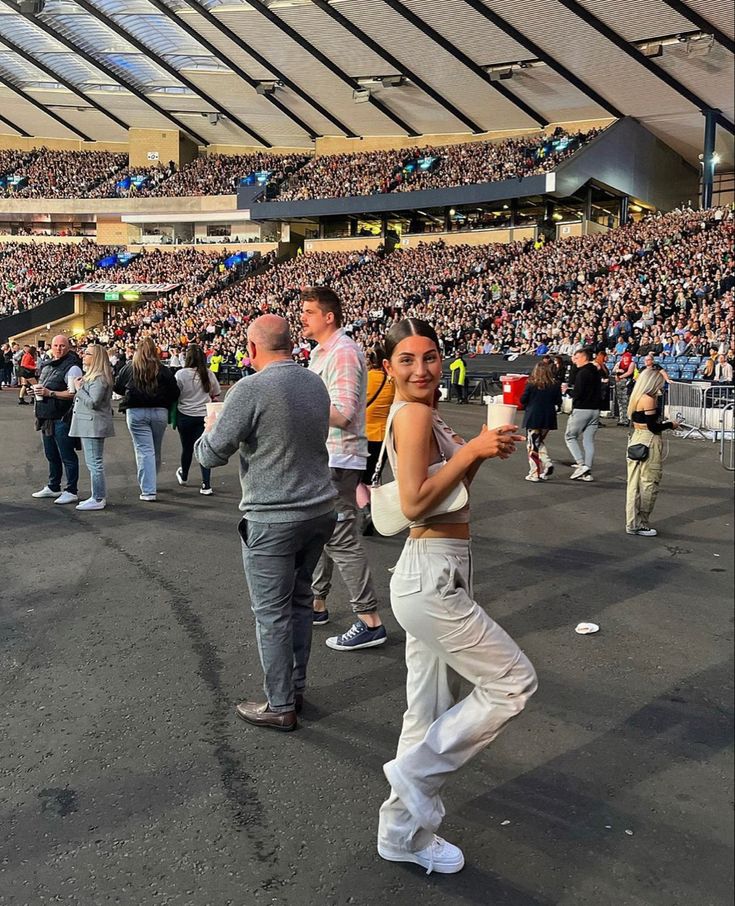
[
  {"x": 271, "y": 333},
  {"x": 59, "y": 346}
]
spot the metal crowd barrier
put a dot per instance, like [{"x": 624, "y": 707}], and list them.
[
  {"x": 727, "y": 438},
  {"x": 701, "y": 408}
]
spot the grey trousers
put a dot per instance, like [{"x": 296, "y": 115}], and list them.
[
  {"x": 449, "y": 637},
  {"x": 582, "y": 423},
  {"x": 345, "y": 549},
  {"x": 279, "y": 559}
]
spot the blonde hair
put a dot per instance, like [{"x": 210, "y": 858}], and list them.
[
  {"x": 146, "y": 366},
  {"x": 99, "y": 366},
  {"x": 650, "y": 383}
]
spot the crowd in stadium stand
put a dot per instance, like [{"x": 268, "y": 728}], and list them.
[
  {"x": 374, "y": 172},
  {"x": 31, "y": 273},
  {"x": 43, "y": 173},
  {"x": 664, "y": 283},
  {"x": 103, "y": 174},
  {"x": 220, "y": 174},
  {"x": 61, "y": 174}
]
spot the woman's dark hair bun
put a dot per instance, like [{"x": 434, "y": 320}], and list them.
[{"x": 409, "y": 327}]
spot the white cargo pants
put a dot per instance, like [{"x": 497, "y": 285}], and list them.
[{"x": 448, "y": 637}]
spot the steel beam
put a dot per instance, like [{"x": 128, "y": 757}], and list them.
[
  {"x": 19, "y": 129},
  {"x": 702, "y": 24},
  {"x": 541, "y": 54},
  {"x": 123, "y": 33},
  {"x": 57, "y": 77},
  {"x": 238, "y": 70},
  {"x": 38, "y": 105},
  {"x": 635, "y": 54},
  {"x": 378, "y": 49},
  {"x": 104, "y": 68},
  {"x": 251, "y": 51},
  {"x": 462, "y": 58},
  {"x": 708, "y": 157},
  {"x": 326, "y": 62}
]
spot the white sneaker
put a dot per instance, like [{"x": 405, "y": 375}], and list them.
[
  {"x": 149, "y": 498},
  {"x": 92, "y": 504},
  {"x": 579, "y": 472},
  {"x": 440, "y": 856},
  {"x": 206, "y": 491},
  {"x": 180, "y": 477},
  {"x": 647, "y": 532},
  {"x": 587, "y": 476},
  {"x": 532, "y": 478},
  {"x": 66, "y": 497},
  {"x": 46, "y": 492}
]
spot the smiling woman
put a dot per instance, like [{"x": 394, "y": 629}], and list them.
[{"x": 448, "y": 634}]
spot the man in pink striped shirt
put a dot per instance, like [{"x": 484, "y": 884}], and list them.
[{"x": 339, "y": 362}]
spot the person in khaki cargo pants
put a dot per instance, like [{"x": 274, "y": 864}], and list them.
[{"x": 644, "y": 476}]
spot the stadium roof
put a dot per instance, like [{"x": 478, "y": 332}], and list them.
[{"x": 281, "y": 72}]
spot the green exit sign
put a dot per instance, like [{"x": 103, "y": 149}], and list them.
[{"x": 112, "y": 297}]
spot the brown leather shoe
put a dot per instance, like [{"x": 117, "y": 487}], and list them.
[{"x": 260, "y": 715}]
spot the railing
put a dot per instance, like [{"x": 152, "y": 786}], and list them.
[
  {"x": 701, "y": 409},
  {"x": 727, "y": 438}
]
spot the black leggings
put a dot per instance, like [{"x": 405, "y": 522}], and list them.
[{"x": 190, "y": 428}]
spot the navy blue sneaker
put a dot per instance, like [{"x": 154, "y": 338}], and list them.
[
  {"x": 321, "y": 617},
  {"x": 359, "y": 635}
]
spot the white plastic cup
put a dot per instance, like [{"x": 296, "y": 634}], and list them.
[
  {"x": 214, "y": 409},
  {"x": 499, "y": 414},
  {"x": 37, "y": 391}
]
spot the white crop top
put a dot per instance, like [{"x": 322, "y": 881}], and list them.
[{"x": 443, "y": 435}]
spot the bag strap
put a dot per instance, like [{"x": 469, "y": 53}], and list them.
[
  {"x": 375, "y": 480},
  {"x": 377, "y": 392}
]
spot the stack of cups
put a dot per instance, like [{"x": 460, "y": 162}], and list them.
[{"x": 499, "y": 414}]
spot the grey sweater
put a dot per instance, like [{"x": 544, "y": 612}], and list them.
[{"x": 279, "y": 419}]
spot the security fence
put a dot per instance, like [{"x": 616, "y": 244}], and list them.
[{"x": 704, "y": 409}]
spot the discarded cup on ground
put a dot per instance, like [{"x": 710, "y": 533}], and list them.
[
  {"x": 586, "y": 628},
  {"x": 499, "y": 414}
]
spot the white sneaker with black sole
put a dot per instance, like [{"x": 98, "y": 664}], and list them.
[
  {"x": 440, "y": 856},
  {"x": 180, "y": 477}
]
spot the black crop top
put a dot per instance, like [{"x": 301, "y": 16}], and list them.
[{"x": 650, "y": 421}]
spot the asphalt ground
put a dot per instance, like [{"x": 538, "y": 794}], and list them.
[{"x": 126, "y": 640}]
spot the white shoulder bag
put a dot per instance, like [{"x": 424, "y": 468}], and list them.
[{"x": 385, "y": 503}]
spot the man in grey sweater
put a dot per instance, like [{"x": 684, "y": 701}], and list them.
[{"x": 278, "y": 419}]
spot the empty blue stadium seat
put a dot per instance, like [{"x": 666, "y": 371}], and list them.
[
  {"x": 694, "y": 359},
  {"x": 682, "y": 359}
]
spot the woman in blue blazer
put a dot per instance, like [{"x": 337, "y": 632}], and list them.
[
  {"x": 91, "y": 420},
  {"x": 541, "y": 400}
]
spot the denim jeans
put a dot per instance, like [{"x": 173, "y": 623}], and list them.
[
  {"x": 93, "y": 449},
  {"x": 279, "y": 559},
  {"x": 582, "y": 423},
  {"x": 147, "y": 427},
  {"x": 191, "y": 428},
  {"x": 62, "y": 457}
]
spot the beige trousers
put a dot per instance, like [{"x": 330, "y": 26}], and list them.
[
  {"x": 449, "y": 637},
  {"x": 643, "y": 480}
]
